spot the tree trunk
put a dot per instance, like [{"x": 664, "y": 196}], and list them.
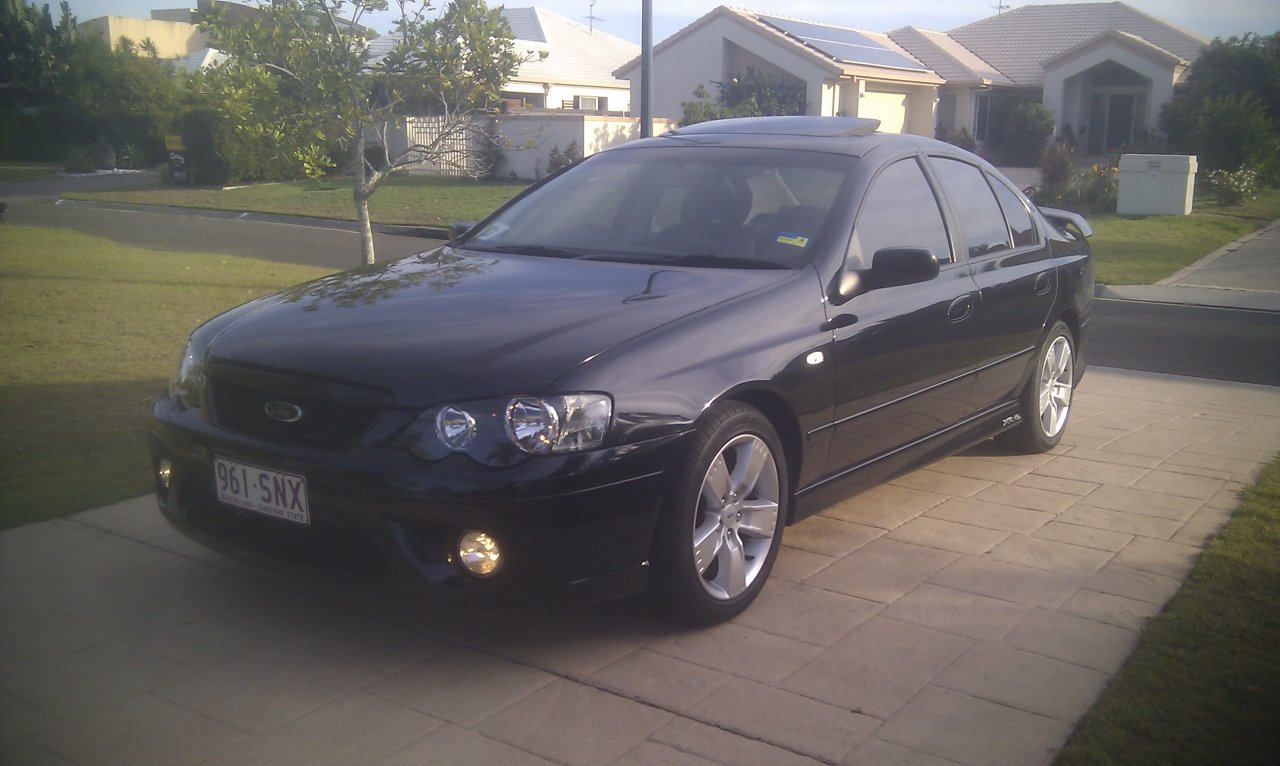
[
  {"x": 361, "y": 190},
  {"x": 366, "y": 228}
]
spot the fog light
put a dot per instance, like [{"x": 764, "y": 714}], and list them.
[
  {"x": 479, "y": 553},
  {"x": 164, "y": 472}
]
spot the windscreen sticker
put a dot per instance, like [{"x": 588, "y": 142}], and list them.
[{"x": 793, "y": 239}]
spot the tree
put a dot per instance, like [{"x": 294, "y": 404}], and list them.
[
  {"x": 59, "y": 89},
  {"x": 750, "y": 94},
  {"x": 1229, "y": 111},
  {"x": 300, "y": 72},
  {"x": 33, "y": 53}
]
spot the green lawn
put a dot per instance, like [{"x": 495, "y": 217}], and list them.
[
  {"x": 411, "y": 200},
  {"x": 89, "y": 333},
  {"x": 11, "y": 170},
  {"x": 1142, "y": 251},
  {"x": 1203, "y": 686}
]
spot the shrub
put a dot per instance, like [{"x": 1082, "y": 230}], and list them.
[
  {"x": 752, "y": 94},
  {"x": 78, "y": 159},
  {"x": 1019, "y": 131},
  {"x": 1232, "y": 187},
  {"x": 1086, "y": 191},
  {"x": 1057, "y": 169},
  {"x": 129, "y": 157},
  {"x": 960, "y": 138},
  {"x": 1233, "y": 131},
  {"x": 557, "y": 159},
  {"x": 205, "y": 166}
]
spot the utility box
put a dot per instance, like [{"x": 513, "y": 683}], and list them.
[{"x": 1156, "y": 184}]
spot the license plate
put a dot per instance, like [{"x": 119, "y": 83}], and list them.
[{"x": 273, "y": 493}]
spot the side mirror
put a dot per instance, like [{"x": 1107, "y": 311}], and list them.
[
  {"x": 458, "y": 228},
  {"x": 894, "y": 266},
  {"x": 890, "y": 267}
]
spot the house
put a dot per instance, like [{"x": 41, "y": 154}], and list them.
[
  {"x": 175, "y": 32},
  {"x": 173, "y": 37},
  {"x": 843, "y": 71},
  {"x": 576, "y": 73},
  {"x": 1104, "y": 69}
]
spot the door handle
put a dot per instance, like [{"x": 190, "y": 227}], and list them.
[
  {"x": 1043, "y": 282},
  {"x": 960, "y": 308},
  {"x": 841, "y": 320}
]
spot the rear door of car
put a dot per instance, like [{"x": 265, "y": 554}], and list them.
[
  {"x": 904, "y": 353},
  {"x": 1010, "y": 263}
]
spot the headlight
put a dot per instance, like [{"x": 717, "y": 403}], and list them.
[
  {"x": 188, "y": 382},
  {"x": 505, "y": 431}
]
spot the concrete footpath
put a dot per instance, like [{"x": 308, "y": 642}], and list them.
[{"x": 966, "y": 613}]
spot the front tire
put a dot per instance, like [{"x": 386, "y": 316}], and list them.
[
  {"x": 1046, "y": 400},
  {"x": 721, "y": 522}
]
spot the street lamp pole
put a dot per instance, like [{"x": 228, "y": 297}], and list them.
[{"x": 646, "y": 69}]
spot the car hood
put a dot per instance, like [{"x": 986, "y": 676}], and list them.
[{"x": 450, "y": 325}]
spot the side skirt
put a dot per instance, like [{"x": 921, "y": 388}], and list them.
[{"x": 832, "y": 489}]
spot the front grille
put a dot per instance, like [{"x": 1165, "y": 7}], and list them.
[{"x": 325, "y": 422}]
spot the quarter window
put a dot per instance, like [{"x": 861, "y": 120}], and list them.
[
  {"x": 1015, "y": 212},
  {"x": 975, "y": 207},
  {"x": 900, "y": 211}
]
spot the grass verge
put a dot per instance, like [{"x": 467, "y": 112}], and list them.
[
  {"x": 26, "y": 171},
  {"x": 90, "y": 331},
  {"x": 1203, "y": 685},
  {"x": 411, "y": 200},
  {"x": 1142, "y": 251}
]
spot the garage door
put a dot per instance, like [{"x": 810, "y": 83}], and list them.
[{"x": 889, "y": 108}]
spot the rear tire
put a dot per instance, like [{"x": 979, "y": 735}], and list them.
[
  {"x": 721, "y": 522},
  {"x": 1046, "y": 400}
]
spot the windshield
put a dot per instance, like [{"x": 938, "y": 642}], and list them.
[{"x": 714, "y": 207}]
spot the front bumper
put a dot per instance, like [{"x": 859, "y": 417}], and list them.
[{"x": 572, "y": 528}]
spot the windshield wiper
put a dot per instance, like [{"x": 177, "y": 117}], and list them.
[{"x": 542, "y": 250}]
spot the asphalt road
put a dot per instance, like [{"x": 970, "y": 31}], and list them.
[
  {"x": 1198, "y": 341},
  {"x": 335, "y": 247}
]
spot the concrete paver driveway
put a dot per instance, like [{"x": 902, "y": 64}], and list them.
[{"x": 966, "y": 613}]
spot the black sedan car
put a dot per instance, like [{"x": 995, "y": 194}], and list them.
[{"x": 639, "y": 371}]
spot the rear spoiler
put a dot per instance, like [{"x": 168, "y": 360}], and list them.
[{"x": 1065, "y": 218}]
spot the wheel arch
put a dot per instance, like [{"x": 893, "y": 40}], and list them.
[{"x": 784, "y": 422}]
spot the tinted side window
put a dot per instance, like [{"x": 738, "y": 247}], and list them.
[
  {"x": 974, "y": 205},
  {"x": 1015, "y": 212},
  {"x": 900, "y": 211}
]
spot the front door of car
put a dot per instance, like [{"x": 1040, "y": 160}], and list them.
[
  {"x": 1010, "y": 265},
  {"x": 903, "y": 352}
]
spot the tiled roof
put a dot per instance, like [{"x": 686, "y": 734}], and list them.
[
  {"x": 576, "y": 54},
  {"x": 1019, "y": 41},
  {"x": 951, "y": 60}
]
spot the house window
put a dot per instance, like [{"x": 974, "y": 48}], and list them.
[
  {"x": 981, "y": 115},
  {"x": 589, "y": 103},
  {"x": 947, "y": 113}
]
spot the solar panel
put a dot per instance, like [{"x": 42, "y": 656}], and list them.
[{"x": 845, "y": 45}]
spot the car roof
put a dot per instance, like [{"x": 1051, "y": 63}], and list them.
[{"x": 851, "y": 136}]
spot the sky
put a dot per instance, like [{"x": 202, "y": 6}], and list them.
[{"x": 1207, "y": 18}]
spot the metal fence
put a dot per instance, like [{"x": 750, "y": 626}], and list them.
[{"x": 460, "y": 147}]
